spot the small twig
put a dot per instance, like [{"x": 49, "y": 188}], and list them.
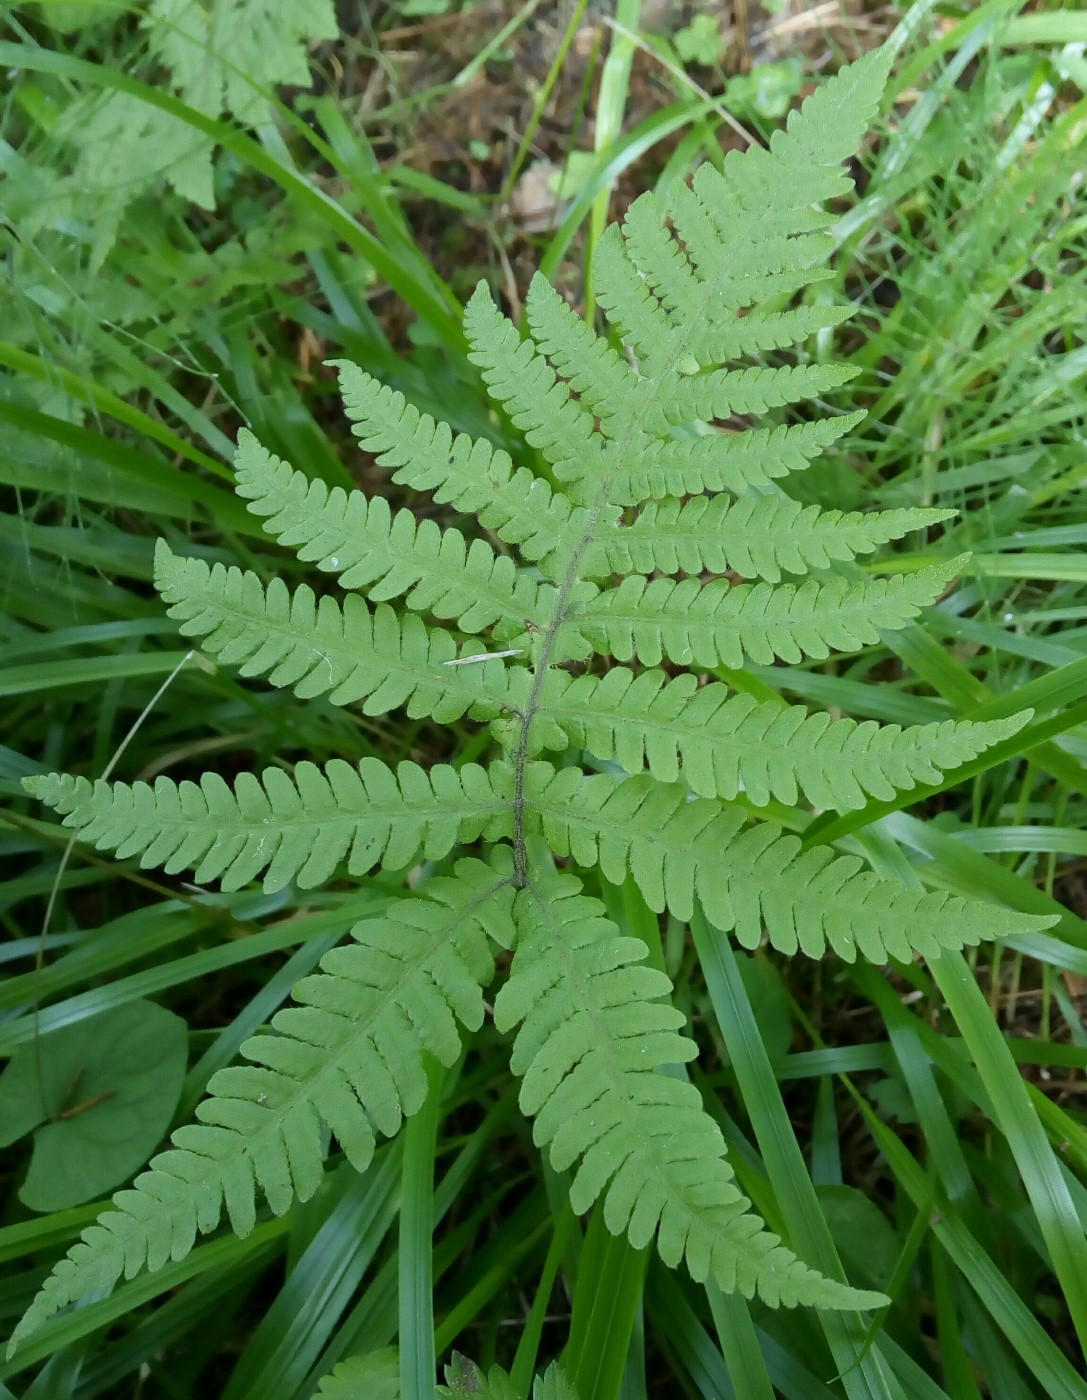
[{"x": 87, "y": 1103}]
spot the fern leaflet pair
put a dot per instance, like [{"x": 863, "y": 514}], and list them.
[{"x": 592, "y": 579}]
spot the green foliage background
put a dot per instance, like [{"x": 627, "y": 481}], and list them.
[{"x": 878, "y": 1116}]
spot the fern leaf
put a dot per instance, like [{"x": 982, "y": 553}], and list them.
[
  {"x": 227, "y": 55},
  {"x": 759, "y": 331},
  {"x": 349, "y": 1054},
  {"x": 756, "y": 537},
  {"x": 678, "y": 847},
  {"x": 723, "y": 392},
  {"x": 725, "y": 461},
  {"x": 320, "y": 648},
  {"x": 358, "y": 538},
  {"x": 598, "y": 1044},
  {"x": 472, "y": 475},
  {"x": 289, "y": 827},
  {"x": 718, "y": 624},
  {"x": 775, "y": 263},
  {"x": 520, "y": 378},
  {"x": 749, "y": 231},
  {"x": 721, "y": 744},
  {"x": 602, "y": 379},
  {"x": 594, "y": 1036},
  {"x": 222, "y": 56},
  {"x": 123, "y": 147}
]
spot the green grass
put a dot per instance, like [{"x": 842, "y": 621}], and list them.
[{"x": 921, "y": 1129}]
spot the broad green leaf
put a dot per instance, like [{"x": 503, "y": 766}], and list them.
[{"x": 98, "y": 1095}]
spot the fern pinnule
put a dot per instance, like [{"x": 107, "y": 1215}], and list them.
[
  {"x": 720, "y": 744},
  {"x": 722, "y": 393},
  {"x": 594, "y": 1041},
  {"x": 748, "y": 877},
  {"x": 721, "y": 624},
  {"x": 347, "y": 651},
  {"x": 755, "y": 537},
  {"x": 760, "y": 331},
  {"x": 724, "y": 461},
  {"x": 294, "y": 827},
  {"x": 349, "y": 1055}
]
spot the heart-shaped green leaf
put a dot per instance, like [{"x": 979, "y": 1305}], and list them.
[{"x": 100, "y": 1093}]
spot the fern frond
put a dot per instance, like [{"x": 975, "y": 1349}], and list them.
[
  {"x": 598, "y": 1046},
  {"x": 720, "y": 744},
  {"x": 472, "y": 475},
  {"x": 725, "y": 461},
  {"x": 358, "y": 538},
  {"x": 595, "y": 1034},
  {"x": 756, "y": 537},
  {"x": 290, "y": 827},
  {"x": 678, "y": 847},
  {"x": 719, "y": 624},
  {"x": 317, "y": 647},
  {"x": 350, "y": 1055}
]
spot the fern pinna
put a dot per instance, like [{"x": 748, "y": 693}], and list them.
[{"x": 607, "y": 556}]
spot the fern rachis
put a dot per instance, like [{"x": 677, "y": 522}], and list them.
[{"x": 596, "y": 1035}]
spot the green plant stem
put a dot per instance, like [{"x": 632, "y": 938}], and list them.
[{"x": 543, "y": 97}]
